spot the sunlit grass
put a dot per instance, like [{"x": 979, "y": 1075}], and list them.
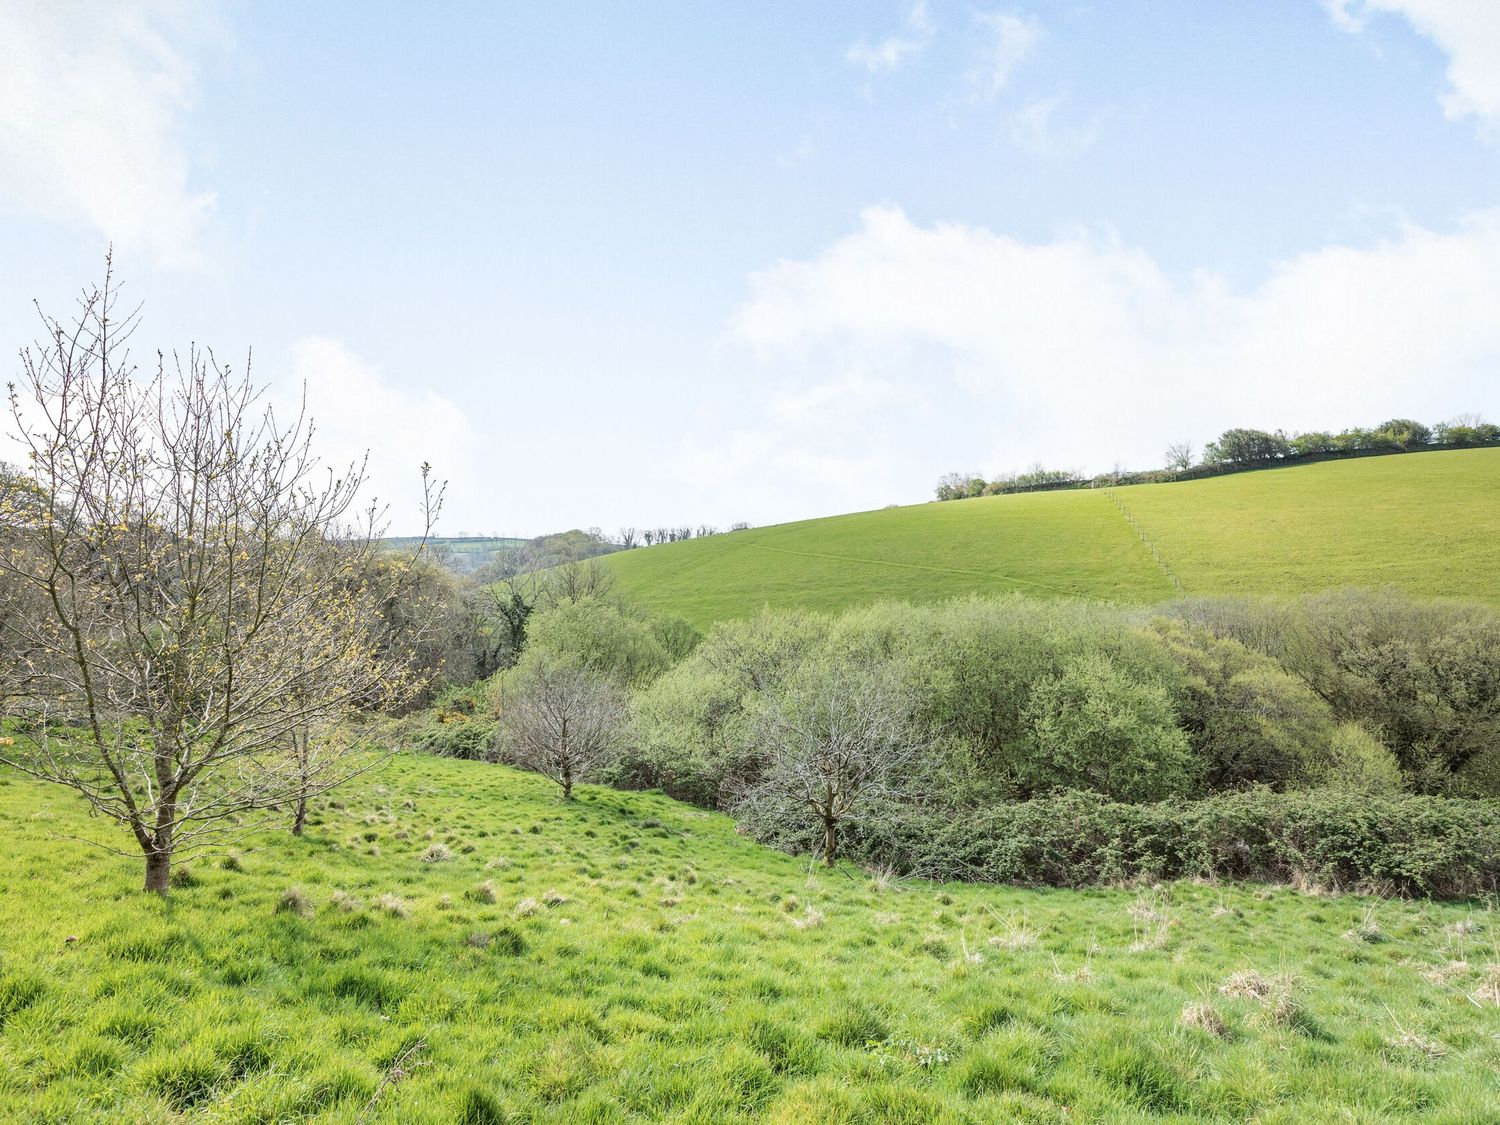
[
  {"x": 458, "y": 941},
  {"x": 1427, "y": 522}
]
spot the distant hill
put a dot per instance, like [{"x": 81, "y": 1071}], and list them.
[
  {"x": 461, "y": 554},
  {"x": 1428, "y": 523},
  {"x": 491, "y": 559}
]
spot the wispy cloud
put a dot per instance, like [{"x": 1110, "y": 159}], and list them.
[
  {"x": 1004, "y": 41},
  {"x": 887, "y": 54},
  {"x": 1037, "y": 127},
  {"x": 93, "y": 97},
  {"x": 1467, "y": 31}
]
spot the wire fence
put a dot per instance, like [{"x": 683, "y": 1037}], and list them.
[{"x": 1135, "y": 525}]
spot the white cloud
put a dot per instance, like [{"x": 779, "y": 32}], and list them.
[
  {"x": 821, "y": 446},
  {"x": 1082, "y": 351},
  {"x": 92, "y": 102},
  {"x": 356, "y": 409},
  {"x": 1006, "y": 40},
  {"x": 1468, "y": 31},
  {"x": 889, "y": 53}
]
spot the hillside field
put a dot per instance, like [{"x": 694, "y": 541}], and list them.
[
  {"x": 1427, "y": 522},
  {"x": 453, "y": 942}
]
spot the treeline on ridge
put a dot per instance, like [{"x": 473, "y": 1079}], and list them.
[{"x": 1238, "y": 450}]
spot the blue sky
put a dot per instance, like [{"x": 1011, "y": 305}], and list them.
[{"x": 681, "y": 263}]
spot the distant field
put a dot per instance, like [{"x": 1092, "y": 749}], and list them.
[
  {"x": 467, "y": 545},
  {"x": 460, "y": 554},
  {"x": 1429, "y": 523},
  {"x": 624, "y": 958}
]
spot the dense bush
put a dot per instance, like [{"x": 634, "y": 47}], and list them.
[
  {"x": 1091, "y": 726},
  {"x": 1248, "y": 719},
  {"x": 690, "y": 727},
  {"x": 622, "y": 648},
  {"x": 1422, "y": 676},
  {"x": 1434, "y": 846},
  {"x": 1067, "y": 742},
  {"x": 470, "y": 739}
]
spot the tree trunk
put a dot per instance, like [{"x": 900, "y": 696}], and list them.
[
  {"x": 567, "y": 784},
  {"x": 161, "y": 844},
  {"x": 830, "y": 842},
  {"x": 299, "y": 820},
  {"x": 158, "y": 871}
]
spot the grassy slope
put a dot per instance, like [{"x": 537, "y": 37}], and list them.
[
  {"x": 692, "y": 976},
  {"x": 1429, "y": 522}
]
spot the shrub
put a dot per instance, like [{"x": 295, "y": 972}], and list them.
[
  {"x": 1358, "y": 763},
  {"x": 1248, "y": 720},
  {"x": 1422, "y": 676},
  {"x": 1092, "y": 726},
  {"x": 689, "y": 727},
  {"x": 618, "y": 647},
  {"x": 469, "y": 739},
  {"x": 1415, "y": 845}
]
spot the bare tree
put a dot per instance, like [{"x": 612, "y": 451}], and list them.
[
  {"x": 832, "y": 745},
  {"x": 1180, "y": 456},
  {"x": 575, "y": 581},
  {"x": 628, "y": 537},
  {"x": 562, "y": 720},
  {"x": 206, "y": 612}
]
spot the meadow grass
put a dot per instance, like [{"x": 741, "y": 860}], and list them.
[
  {"x": 452, "y": 942},
  {"x": 1428, "y": 523}
]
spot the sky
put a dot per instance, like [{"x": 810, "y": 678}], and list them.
[{"x": 680, "y": 263}]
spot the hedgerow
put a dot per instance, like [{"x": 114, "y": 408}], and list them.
[{"x": 1410, "y": 845}]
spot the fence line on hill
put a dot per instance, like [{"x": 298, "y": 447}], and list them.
[{"x": 1135, "y": 525}]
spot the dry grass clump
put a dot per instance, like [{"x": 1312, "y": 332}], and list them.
[
  {"x": 483, "y": 892},
  {"x": 554, "y": 898},
  {"x": 394, "y": 905},
  {"x": 527, "y": 907},
  {"x": 437, "y": 853},
  {"x": 1368, "y": 930},
  {"x": 1411, "y": 1042},
  {"x": 1489, "y": 986},
  {"x": 1016, "y": 931},
  {"x": 1247, "y": 984},
  {"x": 966, "y": 956},
  {"x": 294, "y": 900},
  {"x": 1151, "y": 921},
  {"x": 1276, "y": 996},
  {"x": 811, "y": 919},
  {"x": 1205, "y": 1017},
  {"x": 345, "y": 902}
]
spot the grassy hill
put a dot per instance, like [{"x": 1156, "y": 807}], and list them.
[
  {"x": 1427, "y": 522},
  {"x": 452, "y": 942}
]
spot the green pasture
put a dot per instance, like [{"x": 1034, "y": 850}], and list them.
[
  {"x": 1428, "y": 522},
  {"x": 451, "y": 942}
]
